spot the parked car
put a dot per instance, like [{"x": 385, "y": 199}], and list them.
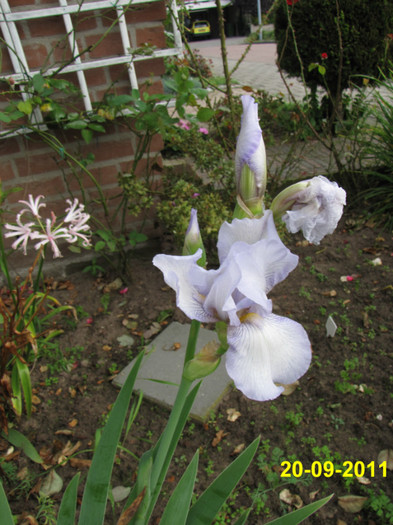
[{"x": 198, "y": 28}]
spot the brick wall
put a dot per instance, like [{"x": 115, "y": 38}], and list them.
[{"x": 29, "y": 163}]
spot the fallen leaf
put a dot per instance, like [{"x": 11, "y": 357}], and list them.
[
  {"x": 238, "y": 449},
  {"x": 376, "y": 262},
  {"x": 291, "y": 499},
  {"x": 72, "y": 391},
  {"x": 364, "y": 481},
  {"x": 386, "y": 455},
  {"x": 52, "y": 484},
  {"x": 114, "y": 285},
  {"x": 233, "y": 414},
  {"x": 289, "y": 389},
  {"x": 120, "y": 493},
  {"x": 219, "y": 436},
  {"x": 331, "y": 327},
  {"x": 106, "y": 348},
  {"x": 128, "y": 514},
  {"x": 153, "y": 330},
  {"x": 80, "y": 463},
  {"x": 35, "y": 400},
  {"x": 352, "y": 504},
  {"x": 64, "y": 432},
  {"x": 313, "y": 495},
  {"x": 330, "y": 293},
  {"x": 73, "y": 423},
  {"x": 125, "y": 340}
]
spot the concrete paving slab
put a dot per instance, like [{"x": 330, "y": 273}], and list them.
[{"x": 163, "y": 363}]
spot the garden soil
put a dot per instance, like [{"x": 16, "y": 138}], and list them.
[{"x": 341, "y": 410}]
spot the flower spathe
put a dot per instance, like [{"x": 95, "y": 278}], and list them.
[
  {"x": 264, "y": 348},
  {"x": 314, "y": 206}
]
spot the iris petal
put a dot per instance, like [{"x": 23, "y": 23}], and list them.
[
  {"x": 264, "y": 351},
  {"x": 190, "y": 282}
]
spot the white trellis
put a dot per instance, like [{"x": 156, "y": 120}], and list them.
[{"x": 22, "y": 71}]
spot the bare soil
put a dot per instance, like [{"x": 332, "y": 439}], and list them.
[{"x": 340, "y": 411}]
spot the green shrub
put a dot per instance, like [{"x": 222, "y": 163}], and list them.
[{"x": 361, "y": 28}]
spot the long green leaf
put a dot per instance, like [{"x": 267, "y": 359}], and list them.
[
  {"x": 208, "y": 505},
  {"x": 178, "y": 505},
  {"x": 98, "y": 480},
  {"x": 189, "y": 401},
  {"x": 301, "y": 514},
  {"x": 25, "y": 381},
  {"x": 19, "y": 440},
  {"x": 17, "y": 402},
  {"x": 5, "y": 511},
  {"x": 67, "y": 510}
]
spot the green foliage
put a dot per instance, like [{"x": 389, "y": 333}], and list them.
[
  {"x": 180, "y": 196},
  {"x": 377, "y": 187},
  {"x": 346, "y": 41}
]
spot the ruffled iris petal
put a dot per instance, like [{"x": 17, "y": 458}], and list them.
[
  {"x": 264, "y": 351},
  {"x": 190, "y": 282},
  {"x": 249, "y": 231}
]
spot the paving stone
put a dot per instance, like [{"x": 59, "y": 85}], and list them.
[{"x": 164, "y": 363}]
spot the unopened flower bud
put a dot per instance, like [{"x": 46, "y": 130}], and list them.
[
  {"x": 193, "y": 239},
  {"x": 250, "y": 162}
]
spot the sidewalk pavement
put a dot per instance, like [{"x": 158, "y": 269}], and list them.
[{"x": 258, "y": 69}]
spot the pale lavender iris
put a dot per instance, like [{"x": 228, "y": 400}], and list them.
[{"x": 264, "y": 349}]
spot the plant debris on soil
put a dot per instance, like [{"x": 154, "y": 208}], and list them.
[{"x": 340, "y": 412}]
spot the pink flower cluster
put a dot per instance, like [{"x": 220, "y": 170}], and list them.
[{"x": 72, "y": 228}]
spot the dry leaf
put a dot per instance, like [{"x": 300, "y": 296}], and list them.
[
  {"x": 233, "y": 414},
  {"x": 288, "y": 389},
  {"x": 238, "y": 449},
  {"x": 73, "y": 423},
  {"x": 107, "y": 348},
  {"x": 64, "y": 432},
  {"x": 219, "y": 436},
  {"x": 129, "y": 513},
  {"x": 313, "y": 495},
  {"x": 80, "y": 463},
  {"x": 291, "y": 499},
  {"x": 364, "y": 481},
  {"x": 330, "y": 293},
  {"x": 29, "y": 520},
  {"x": 341, "y": 522},
  {"x": 386, "y": 455},
  {"x": 52, "y": 484},
  {"x": 352, "y": 503},
  {"x": 35, "y": 400}
]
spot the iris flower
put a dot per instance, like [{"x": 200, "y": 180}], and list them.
[
  {"x": 314, "y": 206},
  {"x": 264, "y": 349}
]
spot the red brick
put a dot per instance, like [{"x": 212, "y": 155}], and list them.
[
  {"x": 17, "y": 3},
  {"x": 42, "y": 27},
  {"x": 96, "y": 77},
  {"x": 84, "y": 21},
  {"x": 153, "y": 36},
  {"x": 9, "y": 146},
  {"x": 111, "y": 45},
  {"x": 146, "y": 13},
  {"x": 115, "y": 150},
  {"x": 6, "y": 171},
  {"x": 151, "y": 67},
  {"x": 36, "y": 164},
  {"x": 36, "y": 55}
]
